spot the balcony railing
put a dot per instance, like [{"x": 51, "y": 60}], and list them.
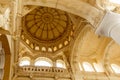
[{"x": 41, "y": 69}]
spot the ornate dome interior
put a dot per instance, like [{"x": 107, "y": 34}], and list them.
[
  {"x": 59, "y": 40},
  {"x": 47, "y": 28}
]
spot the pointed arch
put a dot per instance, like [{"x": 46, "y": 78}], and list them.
[{"x": 72, "y": 6}]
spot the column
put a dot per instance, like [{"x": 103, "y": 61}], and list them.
[
  {"x": 1, "y": 74},
  {"x": 54, "y": 63},
  {"x": 2, "y": 61},
  {"x": 110, "y": 26}
]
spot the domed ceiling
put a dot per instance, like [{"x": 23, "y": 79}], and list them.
[{"x": 46, "y": 27}]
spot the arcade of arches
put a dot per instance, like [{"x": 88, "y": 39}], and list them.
[{"x": 59, "y": 40}]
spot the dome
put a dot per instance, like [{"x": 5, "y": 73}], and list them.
[{"x": 47, "y": 25}]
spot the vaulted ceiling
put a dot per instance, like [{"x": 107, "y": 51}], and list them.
[
  {"x": 51, "y": 28},
  {"x": 47, "y": 29},
  {"x": 50, "y": 31}
]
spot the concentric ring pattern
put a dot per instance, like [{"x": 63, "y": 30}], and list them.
[{"x": 47, "y": 24}]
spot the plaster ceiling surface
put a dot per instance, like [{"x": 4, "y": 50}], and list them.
[
  {"x": 5, "y": 1},
  {"x": 46, "y": 24},
  {"x": 47, "y": 27},
  {"x": 89, "y": 45},
  {"x": 114, "y": 52}
]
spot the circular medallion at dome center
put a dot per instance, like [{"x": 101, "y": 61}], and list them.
[
  {"x": 47, "y": 24},
  {"x": 47, "y": 18}
]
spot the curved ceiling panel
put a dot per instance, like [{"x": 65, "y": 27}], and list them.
[
  {"x": 114, "y": 52},
  {"x": 89, "y": 44},
  {"x": 44, "y": 29},
  {"x": 46, "y": 24}
]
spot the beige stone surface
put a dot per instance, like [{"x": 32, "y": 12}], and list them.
[{"x": 57, "y": 30}]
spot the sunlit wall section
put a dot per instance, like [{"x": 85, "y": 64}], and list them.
[
  {"x": 98, "y": 67},
  {"x": 4, "y": 19},
  {"x": 115, "y": 68},
  {"x": 88, "y": 67},
  {"x": 80, "y": 67},
  {"x": 115, "y": 1},
  {"x": 43, "y": 61},
  {"x": 24, "y": 61},
  {"x": 60, "y": 64}
]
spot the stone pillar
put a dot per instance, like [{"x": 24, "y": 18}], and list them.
[
  {"x": 2, "y": 61},
  {"x": 32, "y": 62},
  {"x": 54, "y": 63},
  {"x": 1, "y": 74},
  {"x": 110, "y": 26}
]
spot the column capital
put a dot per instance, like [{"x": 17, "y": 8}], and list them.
[{"x": 110, "y": 26}]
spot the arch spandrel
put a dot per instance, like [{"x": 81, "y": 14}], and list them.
[{"x": 89, "y": 12}]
